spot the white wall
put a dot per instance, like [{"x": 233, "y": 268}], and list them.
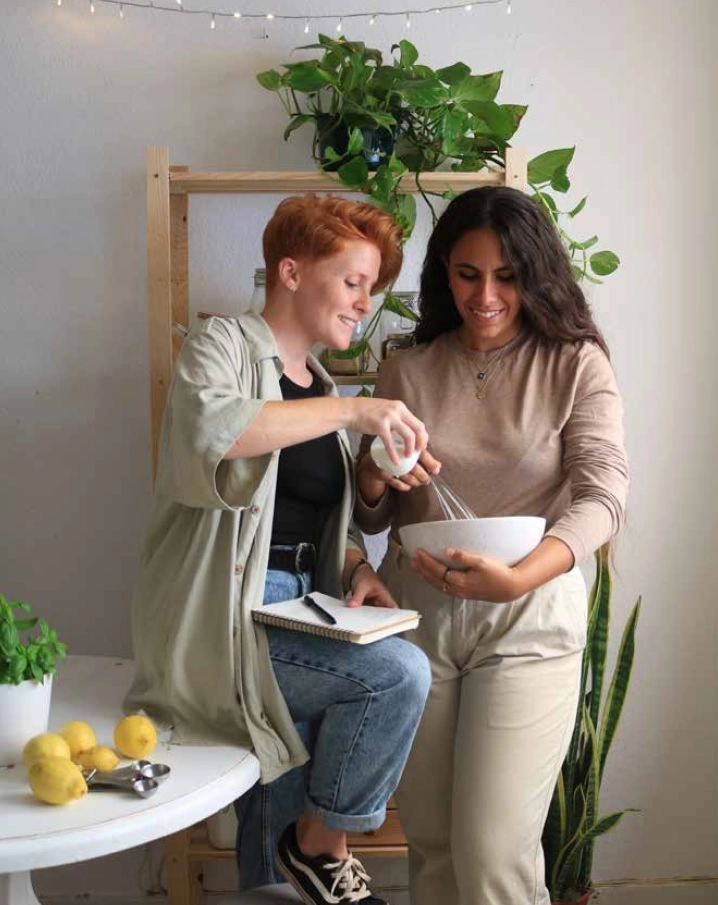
[{"x": 633, "y": 83}]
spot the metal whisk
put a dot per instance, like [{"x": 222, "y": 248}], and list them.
[{"x": 452, "y": 506}]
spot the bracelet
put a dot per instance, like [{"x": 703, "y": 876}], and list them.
[{"x": 357, "y": 565}]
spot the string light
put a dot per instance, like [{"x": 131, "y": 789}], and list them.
[
  {"x": 212, "y": 22},
  {"x": 215, "y": 14}
]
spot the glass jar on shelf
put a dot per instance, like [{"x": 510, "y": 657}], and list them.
[{"x": 397, "y": 331}]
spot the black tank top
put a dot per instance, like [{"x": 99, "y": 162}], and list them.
[{"x": 310, "y": 479}]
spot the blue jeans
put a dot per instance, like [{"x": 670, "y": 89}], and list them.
[{"x": 357, "y": 708}]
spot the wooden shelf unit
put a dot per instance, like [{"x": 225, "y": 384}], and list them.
[{"x": 168, "y": 190}]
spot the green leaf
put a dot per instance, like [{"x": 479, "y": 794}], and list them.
[
  {"x": 498, "y": 120},
  {"x": 518, "y": 111},
  {"x": 308, "y": 77},
  {"x": 579, "y": 207},
  {"x": 542, "y": 168},
  {"x": 560, "y": 181},
  {"x": 619, "y": 685},
  {"x": 364, "y": 392},
  {"x": 395, "y": 305},
  {"x": 598, "y": 829},
  {"x": 586, "y": 244},
  {"x": 477, "y": 87},
  {"x": 354, "y": 173},
  {"x": 428, "y": 92},
  {"x": 547, "y": 200},
  {"x": 452, "y": 75},
  {"x": 407, "y": 214},
  {"x": 350, "y": 353},
  {"x": 271, "y": 80},
  {"x": 356, "y": 142},
  {"x": 296, "y": 122},
  {"x": 604, "y": 263},
  {"x": 408, "y": 54}
]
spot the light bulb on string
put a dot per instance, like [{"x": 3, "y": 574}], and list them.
[
  {"x": 270, "y": 16},
  {"x": 469, "y": 7},
  {"x": 213, "y": 22},
  {"x": 408, "y": 20},
  {"x": 122, "y": 11},
  {"x": 92, "y": 7},
  {"x": 508, "y": 7},
  {"x": 237, "y": 15},
  {"x": 372, "y": 19},
  {"x": 306, "y": 26},
  {"x": 339, "y": 26},
  {"x": 59, "y": 2}
]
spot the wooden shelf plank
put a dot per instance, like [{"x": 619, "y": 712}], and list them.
[
  {"x": 354, "y": 380},
  {"x": 315, "y": 181}
]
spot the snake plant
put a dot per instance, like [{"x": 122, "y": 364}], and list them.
[{"x": 574, "y": 821}]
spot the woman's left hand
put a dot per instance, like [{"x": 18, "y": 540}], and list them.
[
  {"x": 369, "y": 590},
  {"x": 484, "y": 578}
]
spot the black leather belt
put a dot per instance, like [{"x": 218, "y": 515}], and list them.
[{"x": 302, "y": 558}]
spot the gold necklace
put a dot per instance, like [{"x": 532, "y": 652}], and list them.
[{"x": 486, "y": 371}]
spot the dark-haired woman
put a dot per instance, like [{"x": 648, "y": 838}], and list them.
[{"x": 512, "y": 378}]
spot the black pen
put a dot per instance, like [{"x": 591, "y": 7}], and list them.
[{"x": 320, "y": 611}]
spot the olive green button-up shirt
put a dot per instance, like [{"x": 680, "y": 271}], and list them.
[{"x": 202, "y": 664}]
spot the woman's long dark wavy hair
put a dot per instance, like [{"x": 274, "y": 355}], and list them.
[{"x": 553, "y": 305}]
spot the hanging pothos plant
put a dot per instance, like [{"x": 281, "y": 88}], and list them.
[{"x": 446, "y": 118}]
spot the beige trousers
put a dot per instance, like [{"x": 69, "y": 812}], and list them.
[{"x": 476, "y": 789}]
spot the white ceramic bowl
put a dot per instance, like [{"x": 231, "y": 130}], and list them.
[{"x": 508, "y": 539}]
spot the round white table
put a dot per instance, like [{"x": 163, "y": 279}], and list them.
[{"x": 35, "y": 835}]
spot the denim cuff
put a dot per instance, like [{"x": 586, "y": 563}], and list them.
[{"x": 350, "y": 823}]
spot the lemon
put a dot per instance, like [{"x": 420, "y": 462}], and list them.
[
  {"x": 135, "y": 736},
  {"x": 45, "y": 745},
  {"x": 56, "y": 780},
  {"x": 98, "y": 758},
  {"x": 79, "y": 736}
]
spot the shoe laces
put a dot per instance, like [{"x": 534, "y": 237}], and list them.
[{"x": 350, "y": 879}]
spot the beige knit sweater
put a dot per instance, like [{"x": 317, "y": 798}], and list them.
[{"x": 546, "y": 440}]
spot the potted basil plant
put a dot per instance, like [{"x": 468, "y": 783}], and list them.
[{"x": 29, "y": 652}]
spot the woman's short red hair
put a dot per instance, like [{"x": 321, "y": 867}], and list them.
[{"x": 314, "y": 227}]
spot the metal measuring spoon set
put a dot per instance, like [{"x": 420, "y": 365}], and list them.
[{"x": 143, "y": 778}]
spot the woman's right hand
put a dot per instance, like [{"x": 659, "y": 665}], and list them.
[
  {"x": 372, "y": 481},
  {"x": 384, "y": 417}
]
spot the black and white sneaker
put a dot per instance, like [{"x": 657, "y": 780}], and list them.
[{"x": 323, "y": 880}]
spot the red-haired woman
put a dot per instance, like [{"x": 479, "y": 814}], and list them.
[{"x": 253, "y": 505}]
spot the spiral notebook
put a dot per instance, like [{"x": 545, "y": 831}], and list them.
[{"x": 360, "y": 625}]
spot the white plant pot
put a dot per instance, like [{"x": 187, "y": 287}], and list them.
[{"x": 24, "y": 712}]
